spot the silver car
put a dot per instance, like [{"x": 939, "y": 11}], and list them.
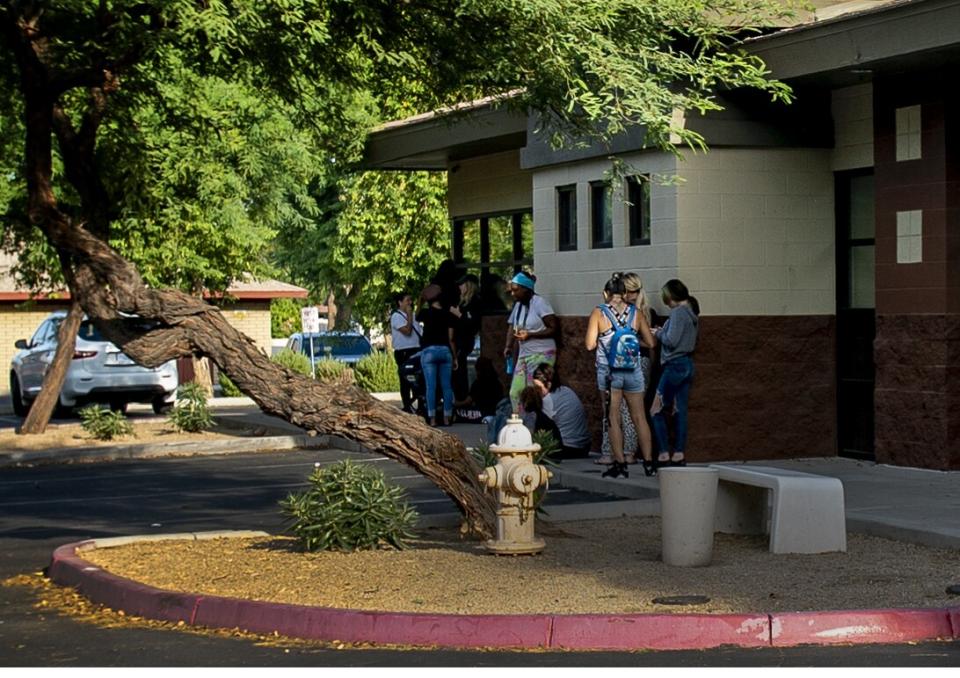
[{"x": 98, "y": 373}]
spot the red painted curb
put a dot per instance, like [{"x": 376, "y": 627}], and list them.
[
  {"x": 581, "y": 632},
  {"x": 659, "y": 631},
  {"x": 329, "y": 624},
  {"x": 119, "y": 593},
  {"x": 954, "y": 613},
  {"x": 859, "y": 626}
]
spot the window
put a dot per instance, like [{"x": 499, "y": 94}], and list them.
[
  {"x": 601, "y": 214},
  {"x": 638, "y": 211},
  {"x": 908, "y": 133},
  {"x": 910, "y": 237},
  {"x": 494, "y": 247},
  {"x": 567, "y": 218}
]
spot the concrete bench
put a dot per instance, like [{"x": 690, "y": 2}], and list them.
[{"x": 806, "y": 510}]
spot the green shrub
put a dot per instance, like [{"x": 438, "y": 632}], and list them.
[
  {"x": 331, "y": 369},
  {"x": 348, "y": 507},
  {"x": 294, "y": 361},
  {"x": 228, "y": 388},
  {"x": 103, "y": 424},
  {"x": 191, "y": 412},
  {"x": 377, "y": 372}
]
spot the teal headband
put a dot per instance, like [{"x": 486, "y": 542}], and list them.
[{"x": 523, "y": 280}]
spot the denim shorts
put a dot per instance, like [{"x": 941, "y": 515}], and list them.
[{"x": 628, "y": 381}]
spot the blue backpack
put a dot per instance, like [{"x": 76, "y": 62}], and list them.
[{"x": 624, "y": 351}]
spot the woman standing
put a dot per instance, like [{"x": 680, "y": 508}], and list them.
[
  {"x": 678, "y": 339},
  {"x": 468, "y": 327},
  {"x": 439, "y": 353},
  {"x": 533, "y": 325},
  {"x": 609, "y": 324}
]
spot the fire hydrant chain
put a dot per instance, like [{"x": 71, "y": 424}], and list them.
[{"x": 516, "y": 478}]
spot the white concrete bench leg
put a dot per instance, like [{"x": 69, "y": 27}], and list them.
[
  {"x": 805, "y": 515},
  {"x": 808, "y": 519},
  {"x": 741, "y": 509}
]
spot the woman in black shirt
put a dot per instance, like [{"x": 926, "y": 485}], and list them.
[{"x": 438, "y": 355}]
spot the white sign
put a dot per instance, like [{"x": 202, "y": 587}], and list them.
[{"x": 310, "y": 319}]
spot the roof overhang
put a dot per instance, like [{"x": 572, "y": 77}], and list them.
[
  {"x": 853, "y": 47},
  {"x": 846, "y": 49},
  {"x": 433, "y": 141}
]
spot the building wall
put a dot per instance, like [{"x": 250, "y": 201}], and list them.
[
  {"x": 752, "y": 234},
  {"x": 755, "y": 231},
  {"x": 253, "y": 319},
  {"x": 16, "y": 323},
  {"x": 573, "y": 281},
  {"x": 852, "y": 109},
  {"x": 488, "y": 184},
  {"x": 917, "y": 347}
]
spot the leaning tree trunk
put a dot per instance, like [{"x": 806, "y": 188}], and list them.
[
  {"x": 43, "y": 407},
  {"x": 107, "y": 286}
]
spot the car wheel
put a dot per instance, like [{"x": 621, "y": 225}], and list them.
[
  {"x": 161, "y": 406},
  {"x": 20, "y": 405},
  {"x": 118, "y": 406},
  {"x": 62, "y": 411}
]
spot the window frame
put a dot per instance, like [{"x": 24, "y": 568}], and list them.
[
  {"x": 566, "y": 219},
  {"x": 638, "y": 210},
  {"x": 601, "y": 211}
]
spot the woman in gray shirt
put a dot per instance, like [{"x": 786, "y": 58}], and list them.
[{"x": 678, "y": 339}]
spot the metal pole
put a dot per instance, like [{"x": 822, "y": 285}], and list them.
[{"x": 313, "y": 364}]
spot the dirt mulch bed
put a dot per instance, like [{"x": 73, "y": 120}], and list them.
[
  {"x": 601, "y": 566},
  {"x": 59, "y": 436}
]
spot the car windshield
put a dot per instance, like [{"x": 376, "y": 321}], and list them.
[
  {"x": 339, "y": 345},
  {"x": 89, "y": 331}
]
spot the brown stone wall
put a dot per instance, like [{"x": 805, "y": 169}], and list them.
[
  {"x": 917, "y": 346},
  {"x": 764, "y": 386},
  {"x": 917, "y": 401}
]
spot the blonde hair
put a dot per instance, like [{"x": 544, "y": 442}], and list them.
[
  {"x": 634, "y": 283},
  {"x": 469, "y": 292}
]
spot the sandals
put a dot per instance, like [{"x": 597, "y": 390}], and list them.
[
  {"x": 618, "y": 468},
  {"x": 604, "y": 460}
]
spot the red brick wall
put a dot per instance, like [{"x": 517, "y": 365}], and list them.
[{"x": 764, "y": 386}]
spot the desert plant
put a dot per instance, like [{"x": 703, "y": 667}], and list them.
[
  {"x": 548, "y": 446},
  {"x": 191, "y": 412},
  {"x": 330, "y": 369},
  {"x": 294, "y": 361},
  {"x": 228, "y": 388},
  {"x": 103, "y": 424},
  {"x": 347, "y": 507},
  {"x": 377, "y": 372}
]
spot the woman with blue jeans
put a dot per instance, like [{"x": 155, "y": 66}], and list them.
[
  {"x": 438, "y": 355},
  {"x": 678, "y": 339}
]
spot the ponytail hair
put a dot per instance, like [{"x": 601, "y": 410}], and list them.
[
  {"x": 615, "y": 286},
  {"x": 634, "y": 283}
]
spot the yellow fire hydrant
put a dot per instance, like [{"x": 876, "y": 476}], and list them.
[{"x": 516, "y": 478}]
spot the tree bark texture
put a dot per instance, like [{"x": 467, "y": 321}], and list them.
[
  {"x": 43, "y": 407},
  {"x": 171, "y": 324}
]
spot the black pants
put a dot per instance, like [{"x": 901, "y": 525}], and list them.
[{"x": 401, "y": 356}]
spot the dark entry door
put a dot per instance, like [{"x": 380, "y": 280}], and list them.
[{"x": 856, "y": 317}]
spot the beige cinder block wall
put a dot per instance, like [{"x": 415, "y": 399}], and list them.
[{"x": 253, "y": 319}]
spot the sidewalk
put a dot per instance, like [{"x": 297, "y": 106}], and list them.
[{"x": 905, "y": 504}]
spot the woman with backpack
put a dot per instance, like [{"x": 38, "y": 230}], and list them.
[{"x": 615, "y": 330}]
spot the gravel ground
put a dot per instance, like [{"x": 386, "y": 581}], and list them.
[
  {"x": 601, "y": 566},
  {"x": 58, "y": 436}
]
